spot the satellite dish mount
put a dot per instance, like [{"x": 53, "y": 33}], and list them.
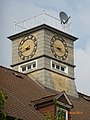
[{"x": 64, "y": 18}]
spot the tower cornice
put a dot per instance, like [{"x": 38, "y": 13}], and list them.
[{"x": 40, "y": 27}]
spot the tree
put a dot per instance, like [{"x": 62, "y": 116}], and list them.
[
  {"x": 2, "y": 103},
  {"x": 57, "y": 116},
  {"x": 3, "y": 115},
  {"x": 48, "y": 116}
]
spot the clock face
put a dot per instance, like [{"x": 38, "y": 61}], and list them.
[
  {"x": 59, "y": 47},
  {"x": 27, "y": 47}
]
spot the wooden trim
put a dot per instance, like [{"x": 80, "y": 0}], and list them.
[{"x": 41, "y": 105}]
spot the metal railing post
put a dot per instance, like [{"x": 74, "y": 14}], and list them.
[
  {"x": 14, "y": 26},
  {"x": 43, "y": 16}
]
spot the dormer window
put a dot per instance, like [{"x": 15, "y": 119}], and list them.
[
  {"x": 61, "y": 113},
  {"x": 55, "y": 106}
]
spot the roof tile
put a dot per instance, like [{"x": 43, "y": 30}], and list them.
[{"x": 22, "y": 90}]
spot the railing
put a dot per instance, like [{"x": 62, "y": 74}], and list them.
[{"x": 40, "y": 19}]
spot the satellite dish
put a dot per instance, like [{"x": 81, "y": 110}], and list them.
[{"x": 63, "y": 17}]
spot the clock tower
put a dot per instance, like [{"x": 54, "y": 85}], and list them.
[{"x": 47, "y": 55}]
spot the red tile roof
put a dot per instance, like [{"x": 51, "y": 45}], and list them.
[
  {"x": 21, "y": 90},
  {"x": 81, "y": 110},
  {"x": 60, "y": 97}
]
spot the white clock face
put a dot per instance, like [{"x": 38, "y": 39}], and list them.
[{"x": 59, "y": 47}]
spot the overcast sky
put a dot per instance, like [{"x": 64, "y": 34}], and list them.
[{"x": 79, "y": 10}]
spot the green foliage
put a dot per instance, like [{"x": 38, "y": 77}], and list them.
[
  {"x": 2, "y": 116},
  {"x": 2, "y": 103},
  {"x": 57, "y": 116},
  {"x": 48, "y": 116},
  {"x": 16, "y": 118},
  {"x": 2, "y": 100}
]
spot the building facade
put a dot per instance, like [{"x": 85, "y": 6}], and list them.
[
  {"x": 46, "y": 54},
  {"x": 41, "y": 82}
]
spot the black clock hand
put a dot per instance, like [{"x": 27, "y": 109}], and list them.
[
  {"x": 58, "y": 48},
  {"x": 27, "y": 48}
]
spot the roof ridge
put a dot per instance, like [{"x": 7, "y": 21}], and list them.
[
  {"x": 82, "y": 94},
  {"x": 43, "y": 99}
]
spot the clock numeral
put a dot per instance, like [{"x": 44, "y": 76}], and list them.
[
  {"x": 53, "y": 39},
  {"x": 64, "y": 57},
  {"x": 51, "y": 45},
  {"x": 20, "y": 53},
  {"x": 30, "y": 36},
  {"x": 30, "y": 56},
  {"x": 21, "y": 43},
  {"x": 34, "y": 39},
  {"x": 66, "y": 48},
  {"x": 66, "y": 53},
  {"x": 19, "y": 48},
  {"x": 25, "y": 39},
  {"x": 23, "y": 57},
  {"x": 61, "y": 58},
  {"x": 56, "y": 37},
  {"x": 35, "y": 44},
  {"x": 27, "y": 57}
]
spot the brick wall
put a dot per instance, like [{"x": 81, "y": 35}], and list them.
[{"x": 50, "y": 109}]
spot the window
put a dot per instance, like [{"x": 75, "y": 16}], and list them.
[
  {"x": 59, "y": 67},
  {"x": 61, "y": 113},
  {"x": 34, "y": 65},
  {"x": 53, "y": 65},
  {"x": 62, "y": 68},
  {"x": 23, "y": 68},
  {"x": 27, "y": 67}
]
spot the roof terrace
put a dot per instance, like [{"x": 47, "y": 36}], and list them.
[{"x": 40, "y": 19}]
